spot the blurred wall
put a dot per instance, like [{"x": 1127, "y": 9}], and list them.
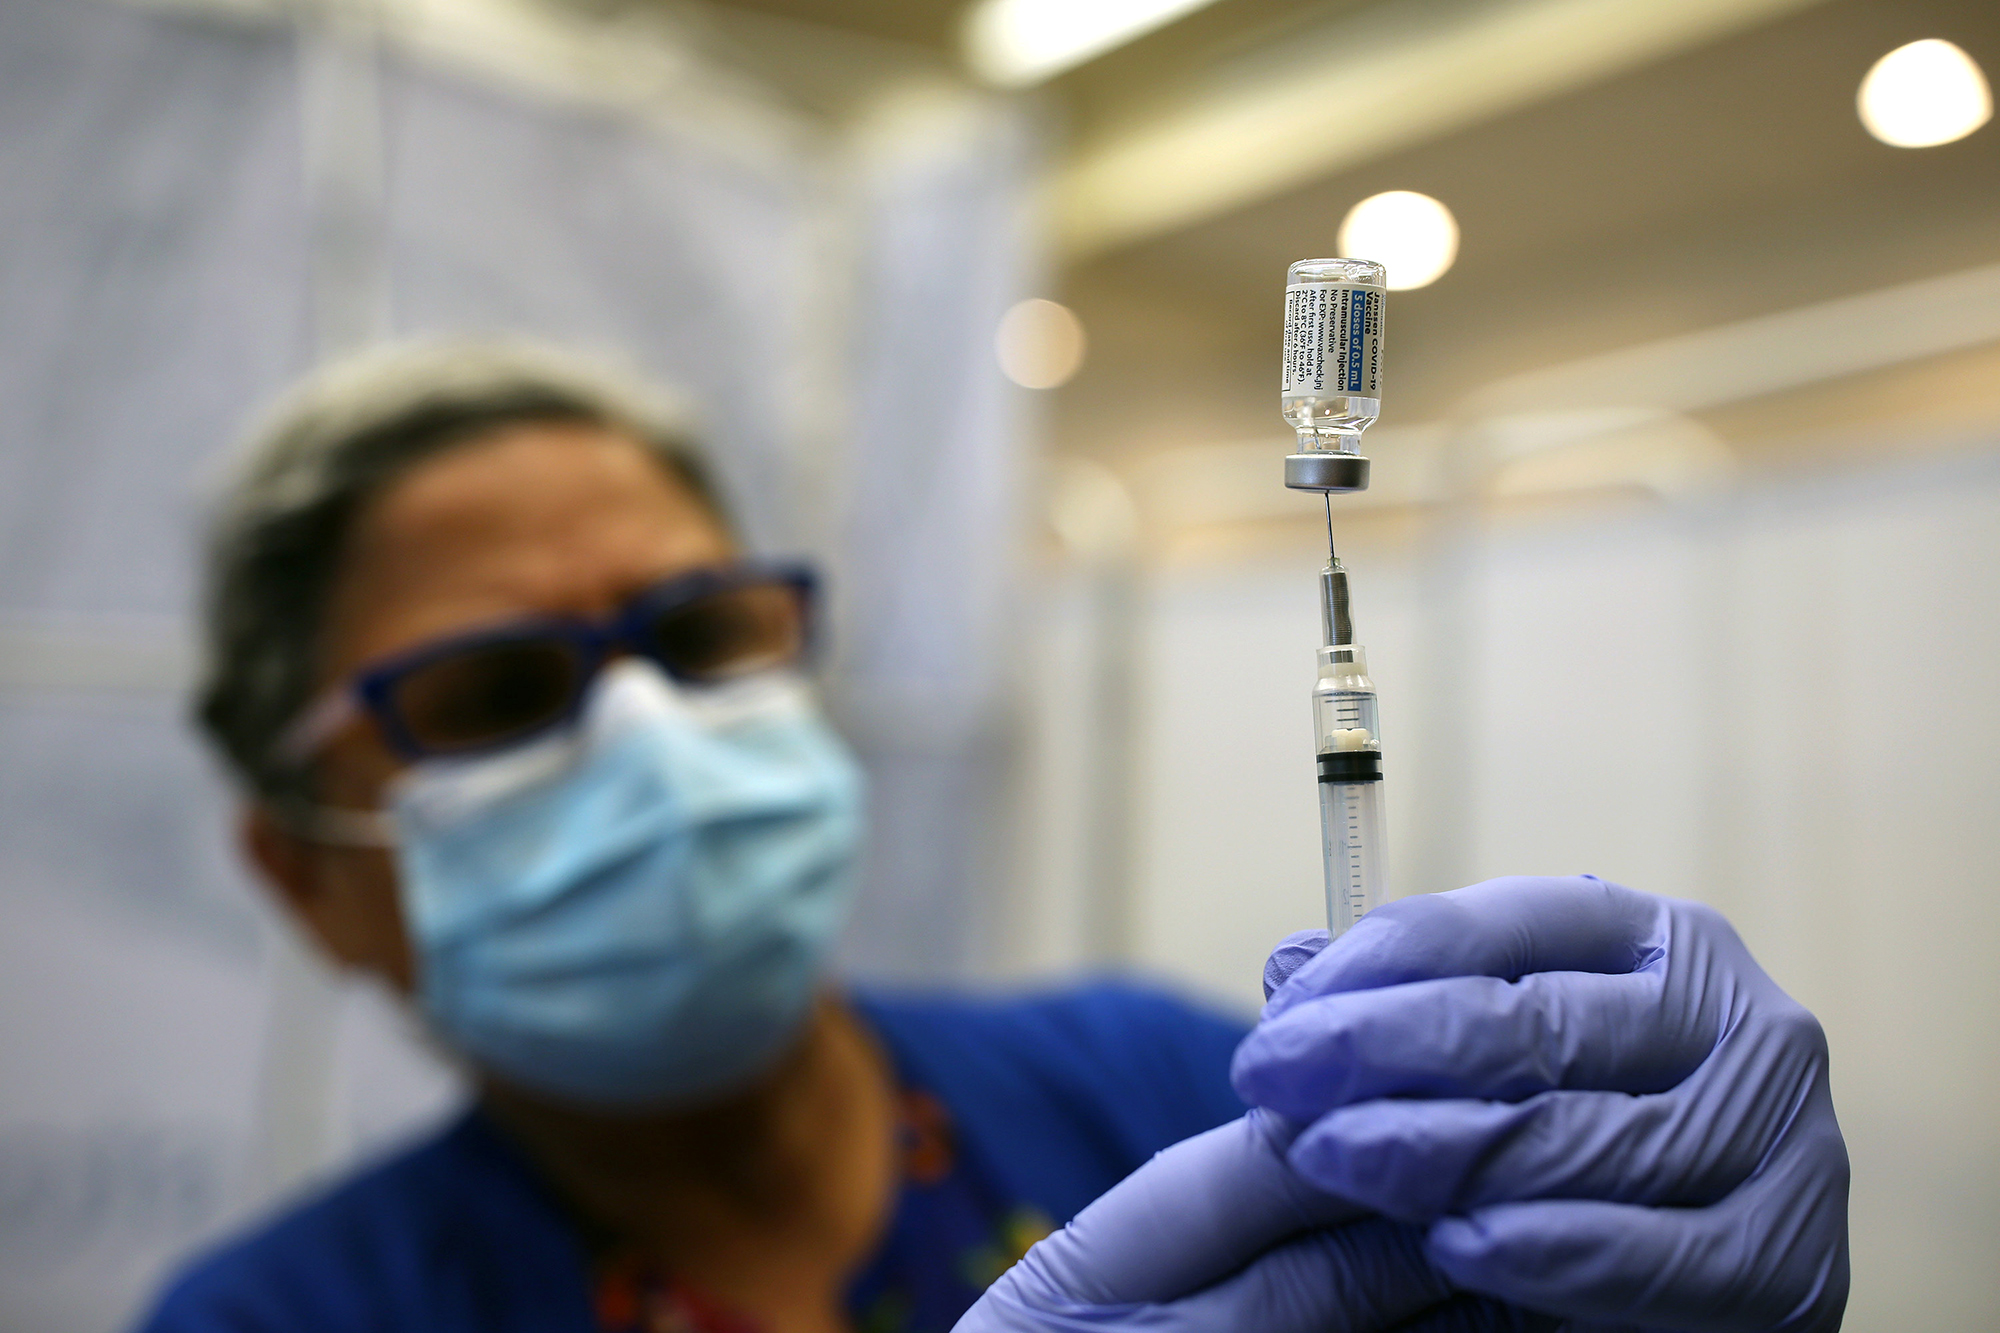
[
  {"x": 1778, "y": 699},
  {"x": 202, "y": 201}
]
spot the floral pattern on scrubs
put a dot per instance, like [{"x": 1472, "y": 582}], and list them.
[{"x": 952, "y": 1233}]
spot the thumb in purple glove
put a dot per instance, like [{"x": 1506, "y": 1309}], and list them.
[
  {"x": 1293, "y": 952},
  {"x": 1217, "y": 1232}
]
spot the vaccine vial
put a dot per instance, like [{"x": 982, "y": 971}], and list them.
[{"x": 1333, "y": 351}]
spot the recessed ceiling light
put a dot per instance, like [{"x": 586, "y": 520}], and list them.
[
  {"x": 1924, "y": 94},
  {"x": 1412, "y": 235}
]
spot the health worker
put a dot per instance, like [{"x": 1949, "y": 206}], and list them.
[{"x": 524, "y": 731}]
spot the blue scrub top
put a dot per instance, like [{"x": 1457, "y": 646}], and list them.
[{"x": 1041, "y": 1104}]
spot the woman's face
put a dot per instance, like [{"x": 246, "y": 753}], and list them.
[{"x": 534, "y": 519}]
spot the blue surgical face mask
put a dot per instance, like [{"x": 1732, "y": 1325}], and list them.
[{"x": 637, "y": 909}]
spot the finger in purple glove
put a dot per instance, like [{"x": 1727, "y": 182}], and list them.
[
  {"x": 1746, "y": 1265},
  {"x": 1503, "y": 928},
  {"x": 1195, "y": 1213},
  {"x": 1216, "y": 1232}
]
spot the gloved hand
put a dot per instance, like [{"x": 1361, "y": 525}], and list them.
[
  {"x": 1594, "y": 1100},
  {"x": 1218, "y": 1233}
]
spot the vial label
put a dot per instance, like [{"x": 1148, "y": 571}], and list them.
[{"x": 1333, "y": 340}]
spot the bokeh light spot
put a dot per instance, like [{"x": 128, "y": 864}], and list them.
[
  {"x": 1040, "y": 344},
  {"x": 1412, "y": 235},
  {"x": 1924, "y": 94}
]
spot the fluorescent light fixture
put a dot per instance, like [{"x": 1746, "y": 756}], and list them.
[
  {"x": 1412, "y": 235},
  {"x": 1924, "y": 94},
  {"x": 1040, "y": 344},
  {"x": 1014, "y": 43},
  {"x": 1357, "y": 88}
]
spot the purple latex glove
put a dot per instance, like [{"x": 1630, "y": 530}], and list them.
[
  {"x": 1595, "y": 1100},
  {"x": 1218, "y": 1233}
]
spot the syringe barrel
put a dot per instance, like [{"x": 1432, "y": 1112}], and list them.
[
  {"x": 1348, "y": 735},
  {"x": 1350, "y": 821}
]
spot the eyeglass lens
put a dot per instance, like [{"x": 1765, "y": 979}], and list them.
[
  {"x": 495, "y": 693},
  {"x": 730, "y": 632},
  {"x": 489, "y": 694}
]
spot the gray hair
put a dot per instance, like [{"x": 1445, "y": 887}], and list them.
[{"x": 324, "y": 452}]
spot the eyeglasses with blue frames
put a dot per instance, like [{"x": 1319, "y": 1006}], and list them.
[{"x": 492, "y": 688}]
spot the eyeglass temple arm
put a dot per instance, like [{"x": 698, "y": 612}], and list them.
[{"x": 312, "y": 729}]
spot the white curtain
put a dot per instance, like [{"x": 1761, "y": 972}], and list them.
[{"x": 190, "y": 213}]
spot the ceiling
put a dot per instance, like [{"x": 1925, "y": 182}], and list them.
[{"x": 1718, "y": 176}]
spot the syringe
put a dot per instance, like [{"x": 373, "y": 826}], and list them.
[{"x": 1331, "y": 393}]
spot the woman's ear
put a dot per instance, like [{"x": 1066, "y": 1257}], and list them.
[
  {"x": 284, "y": 861},
  {"x": 344, "y": 897}
]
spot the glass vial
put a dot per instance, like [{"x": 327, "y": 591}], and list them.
[{"x": 1332, "y": 386}]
